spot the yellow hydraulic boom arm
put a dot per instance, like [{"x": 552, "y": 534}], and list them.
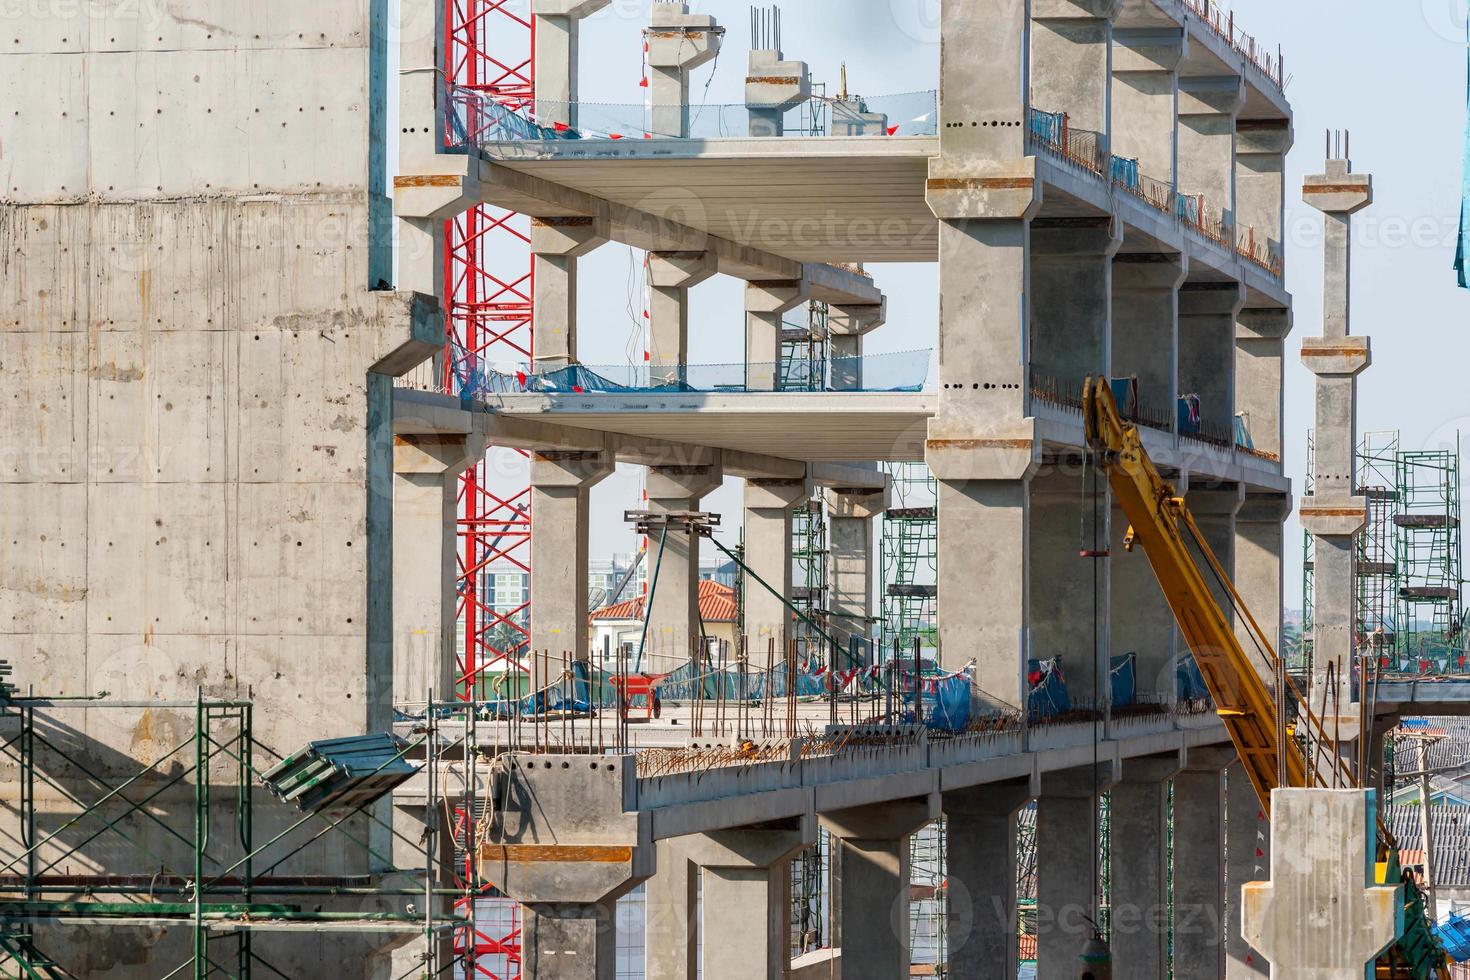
[
  {"x": 1163, "y": 525},
  {"x": 1273, "y": 755}
]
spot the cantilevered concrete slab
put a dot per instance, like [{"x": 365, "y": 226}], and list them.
[
  {"x": 817, "y": 426},
  {"x": 805, "y": 198}
]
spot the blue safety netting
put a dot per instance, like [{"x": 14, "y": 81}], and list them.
[
  {"x": 895, "y": 372},
  {"x": 478, "y": 119},
  {"x": 946, "y": 703}
]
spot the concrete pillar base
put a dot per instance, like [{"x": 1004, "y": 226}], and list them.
[{"x": 981, "y": 928}]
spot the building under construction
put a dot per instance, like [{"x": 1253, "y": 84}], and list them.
[{"x": 291, "y": 344}]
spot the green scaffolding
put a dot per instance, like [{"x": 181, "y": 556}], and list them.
[
  {"x": 1428, "y": 524},
  {"x": 217, "y": 880},
  {"x": 806, "y": 351},
  {"x": 809, "y": 556},
  {"x": 908, "y": 555},
  {"x": 1376, "y": 547}
]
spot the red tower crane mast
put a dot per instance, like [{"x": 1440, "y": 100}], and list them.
[{"x": 489, "y": 48}]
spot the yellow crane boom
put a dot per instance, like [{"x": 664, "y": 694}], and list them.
[{"x": 1274, "y": 750}]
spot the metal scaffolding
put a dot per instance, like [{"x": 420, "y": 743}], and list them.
[
  {"x": 806, "y": 352},
  {"x": 908, "y": 555},
  {"x": 809, "y": 580},
  {"x": 182, "y": 837},
  {"x": 1376, "y": 547},
  {"x": 1428, "y": 523}
]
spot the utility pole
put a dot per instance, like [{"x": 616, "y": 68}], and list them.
[{"x": 1426, "y": 827}]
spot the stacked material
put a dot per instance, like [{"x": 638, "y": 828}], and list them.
[{"x": 341, "y": 772}]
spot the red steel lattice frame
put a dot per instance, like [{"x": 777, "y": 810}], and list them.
[{"x": 488, "y": 47}]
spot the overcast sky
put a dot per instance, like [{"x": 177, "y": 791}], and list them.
[{"x": 1394, "y": 74}]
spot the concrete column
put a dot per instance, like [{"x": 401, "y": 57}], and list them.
[
  {"x": 1146, "y": 98},
  {"x": 1139, "y": 835},
  {"x": 765, "y": 304},
  {"x": 773, "y": 86},
  {"x": 1071, "y": 298},
  {"x": 1071, "y": 59},
  {"x": 673, "y": 625},
  {"x": 1258, "y": 553},
  {"x": 1140, "y": 620},
  {"x": 1207, "y": 108},
  {"x": 1247, "y": 858},
  {"x": 874, "y": 891},
  {"x": 1260, "y": 182},
  {"x": 1336, "y": 512},
  {"x": 981, "y": 853},
  {"x": 1065, "y": 886},
  {"x": 744, "y": 880},
  {"x": 671, "y": 915},
  {"x": 1199, "y": 864},
  {"x": 566, "y": 941},
  {"x": 848, "y": 325},
  {"x": 852, "y": 566},
  {"x": 557, "y": 26},
  {"x": 556, "y": 244},
  {"x": 678, "y": 43},
  {"x": 768, "y": 507},
  {"x": 1215, "y": 509},
  {"x": 1260, "y": 344},
  {"x": 982, "y": 444},
  {"x": 1207, "y": 314},
  {"x": 422, "y": 211},
  {"x": 425, "y": 544},
  {"x": 1145, "y": 329},
  {"x": 670, "y": 277},
  {"x": 1062, "y": 582},
  {"x": 561, "y": 485}
]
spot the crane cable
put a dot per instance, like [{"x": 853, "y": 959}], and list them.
[{"x": 1094, "y": 551}]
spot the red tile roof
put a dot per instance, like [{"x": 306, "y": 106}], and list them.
[{"x": 716, "y": 605}]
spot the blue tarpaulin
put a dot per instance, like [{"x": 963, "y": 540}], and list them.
[
  {"x": 1123, "y": 680},
  {"x": 1189, "y": 415},
  {"x": 1454, "y": 934},
  {"x": 1188, "y": 681},
  {"x": 1049, "y": 696},
  {"x": 946, "y": 703}
]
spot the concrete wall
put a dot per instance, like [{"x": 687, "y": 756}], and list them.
[{"x": 191, "y": 215}]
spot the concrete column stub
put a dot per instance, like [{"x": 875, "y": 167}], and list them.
[
  {"x": 678, "y": 42},
  {"x": 772, "y": 86},
  {"x": 1321, "y": 916},
  {"x": 557, "y": 30}
]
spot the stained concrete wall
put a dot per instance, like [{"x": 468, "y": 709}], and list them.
[{"x": 196, "y": 378}]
